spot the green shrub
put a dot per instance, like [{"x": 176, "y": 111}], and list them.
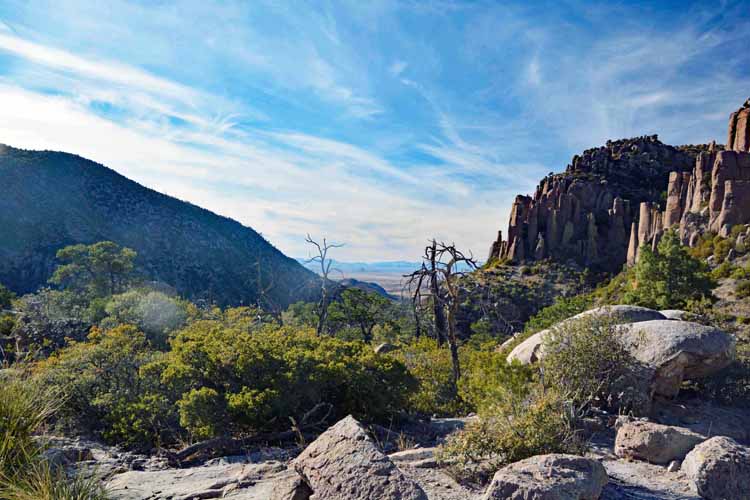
[
  {"x": 487, "y": 377},
  {"x": 724, "y": 270},
  {"x": 431, "y": 367},
  {"x": 586, "y": 359},
  {"x": 110, "y": 390},
  {"x": 154, "y": 313},
  {"x": 743, "y": 289},
  {"x": 517, "y": 426},
  {"x": 740, "y": 273},
  {"x": 230, "y": 380}
]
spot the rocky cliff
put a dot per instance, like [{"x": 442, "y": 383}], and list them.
[
  {"x": 586, "y": 213},
  {"x": 713, "y": 197},
  {"x": 612, "y": 200},
  {"x": 49, "y": 200}
]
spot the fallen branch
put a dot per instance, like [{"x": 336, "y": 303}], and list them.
[{"x": 225, "y": 445}]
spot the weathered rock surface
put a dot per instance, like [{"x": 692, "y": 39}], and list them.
[
  {"x": 529, "y": 351},
  {"x": 678, "y": 350},
  {"x": 235, "y": 481},
  {"x": 720, "y": 468},
  {"x": 677, "y": 314},
  {"x": 655, "y": 443},
  {"x": 607, "y": 204},
  {"x": 345, "y": 464},
  {"x": 586, "y": 213},
  {"x": 549, "y": 477}
]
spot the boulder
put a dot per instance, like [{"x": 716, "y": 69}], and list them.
[
  {"x": 720, "y": 469},
  {"x": 677, "y": 314},
  {"x": 549, "y": 477},
  {"x": 678, "y": 350},
  {"x": 345, "y": 464},
  {"x": 655, "y": 443},
  {"x": 529, "y": 351}
]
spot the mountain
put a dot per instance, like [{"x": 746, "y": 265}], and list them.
[
  {"x": 50, "y": 199},
  {"x": 386, "y": 267}
]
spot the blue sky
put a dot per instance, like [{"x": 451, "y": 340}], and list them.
[{"x": 378, "y": 124}]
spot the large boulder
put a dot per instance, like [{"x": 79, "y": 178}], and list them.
[
  {"x": 345, "y": 464},
  {"x": 720, "y": 468},
  {"x": 549, "y": 477},
  {"x": 655, "y": 443},
  {"x": 530, "y": 350},
  {"x": 678, "y": 350}
]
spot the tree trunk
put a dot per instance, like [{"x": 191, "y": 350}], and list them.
[
  {"x": 437, "y": 303},
  {"x": 453, "y": 343}
]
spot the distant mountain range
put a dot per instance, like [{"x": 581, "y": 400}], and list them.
[
  {"x": 386, "y": 267},
  {"x": 50, "y": 199}
]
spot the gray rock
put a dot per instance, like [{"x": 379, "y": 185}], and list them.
[
  {"x": 549, "y": 477},
  {"x": 345, "y": 464},
  {"x": 720, "y": 468},
  {"x": 678, "y": 350},
  {"x": 234, "y": 481},
  {"x": 655, "y": 443},
  {"x": 529, "y": 351},
  {"x": 677, "y": 314},
  {"x": 674, "y": 466}
]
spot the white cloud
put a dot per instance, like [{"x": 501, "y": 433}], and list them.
[{"x": 397, "y": 67}]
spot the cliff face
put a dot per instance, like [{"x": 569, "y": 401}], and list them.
[
  {"x": 586, "y": 213},
  {"x": 713, "y": 197},
  {"x": 610, "y": 200},
  {"x": 49, "y": 200}
]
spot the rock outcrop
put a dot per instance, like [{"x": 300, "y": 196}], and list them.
[
  {"x": 345, "y": 464},
  {"x": 720, "y": 468},
  {"x": 549, "y": 477},
  {"x": 586, "y": 213},
  {"x": 608, "y": 203},
  {"x": 655, "y": 443}
]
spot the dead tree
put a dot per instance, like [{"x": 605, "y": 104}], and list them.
[
  {"x": 440, "y": 268},
  {"x": 325, "y": 270}
]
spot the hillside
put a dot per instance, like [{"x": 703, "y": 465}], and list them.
[{"x": 50, "y": 199}]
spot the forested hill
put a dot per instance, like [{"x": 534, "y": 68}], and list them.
[{"x": 50, "y": 199}]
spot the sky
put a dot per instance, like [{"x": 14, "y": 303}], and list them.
[{"x": 377, "y": 124}]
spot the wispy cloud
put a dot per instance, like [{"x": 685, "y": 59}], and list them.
[{"x": 380, "y": 124}]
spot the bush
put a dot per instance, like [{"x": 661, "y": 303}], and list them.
[
  {"x": 743, "y": 289},
  {"x": 487, "y": 377},
  {"x": 586, "y": 359},
  {"x": 154, "y": 313},
  {"x": 230, "y": 380},
  {"x": 110, "y": 389},
  {"x": 431, "y": 366},
  {"x": 517, "y": 426}
]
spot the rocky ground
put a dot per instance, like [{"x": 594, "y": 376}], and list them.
[
  {"x": 266, "y": 471},
  {"x": 687, "y": 449}
]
